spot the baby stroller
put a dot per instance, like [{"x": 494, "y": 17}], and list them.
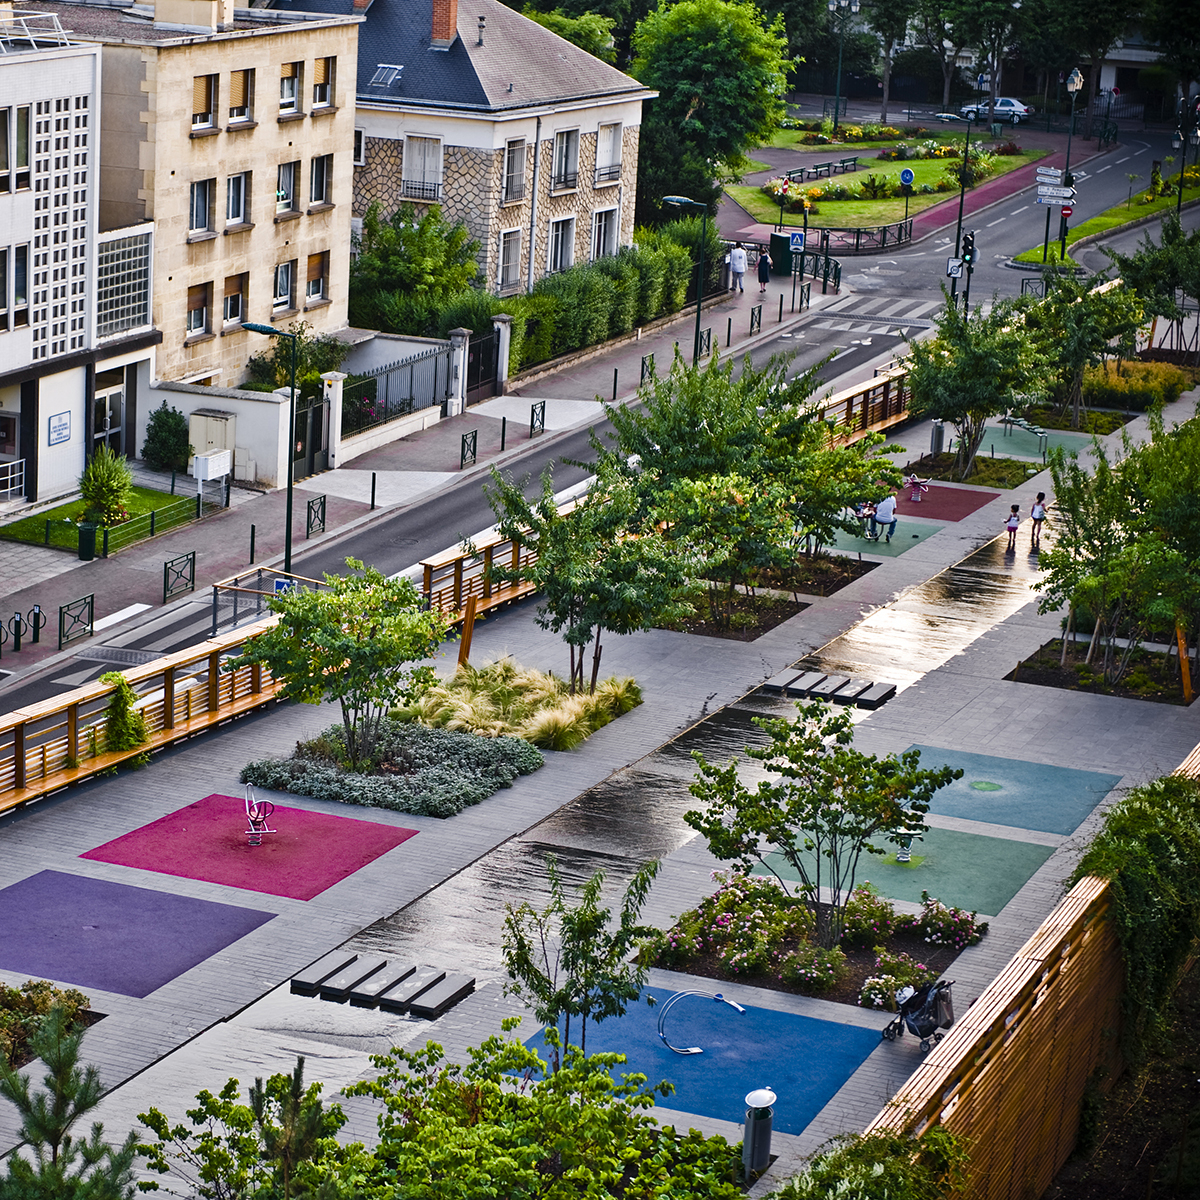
[{"x": 923, "y": 1010}]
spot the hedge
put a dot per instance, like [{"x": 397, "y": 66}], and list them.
[{"x": 1134, "y": 386}]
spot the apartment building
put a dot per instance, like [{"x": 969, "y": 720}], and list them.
[{"x": 232, "y": 131}]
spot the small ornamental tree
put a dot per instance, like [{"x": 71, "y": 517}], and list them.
[
  {"x": 821, "y": 812},
  {"x": 360, "y": 641},
  {"x": 124, "y": 725},
  {"x": 167, "y": 447},
  {"x": 107, "y": 487}
]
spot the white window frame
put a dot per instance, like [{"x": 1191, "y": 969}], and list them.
[
  {"x": 417, "y": 181},
  {"x": 564, "y": 175},
  {"x": 285, "y": 273},
  {"x": 322, "y": 93},
  {"x": 553, "y": 264},
  {"x": 322, "y": 284},
  {"x": 243, "y": 112},
  {"x": 289, "y": 90},
  {"x": 237, "y": 185},
  {"x": 285, "y": 197},
  {"x": 200, "y": 206},
  {"x": 206, "y": 120},
  {"x": 514, "y": 180},
  {"x": 197, "y": 318},
  {"x": 509, "y": 237},
  {"x": 597, "y": 250},
  {"x": 3, "y": 288},
  {"x": 239, "y": 316},
  {"x": 608, "y": 159},
  {"x": 323, "y": 172},
  {"x": 360, "y": 148}
]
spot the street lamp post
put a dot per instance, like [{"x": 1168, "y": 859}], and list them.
[
  {"x": 841, "y": 11},
  {"x": 269, "y": 331},
  {"x": 1186, "y": 129},
  {"x": 685, "y": 202},
  {"x": 1074, "y": 86},
  {"x": 962, "y": 192}
]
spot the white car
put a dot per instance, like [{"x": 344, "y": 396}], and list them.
[{"x": 1007, "y": 109}]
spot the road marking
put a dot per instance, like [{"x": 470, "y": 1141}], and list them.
[
  {"x": 995, "y": 222},
  {"x": 1108, "y": 168},
  {"x": 922, "y": 309},
  {"x": 117, "y": 617},
  {"x": 1141, "y": 151},
  {"x": 892, "y": 309},
  {"x": 1018, "y": 210},
  {"x": 1125, "y": 159}
]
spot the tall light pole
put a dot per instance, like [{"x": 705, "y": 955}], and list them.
[
  {"x": 1186, "y": 129},
  {"x": 269, "y": 331},
  {"x": 962, "y": 193},
  {"x": 1074, "y": 86},
  {"x": 685, "y": 202},
  {"x": 841, "y": 11}
]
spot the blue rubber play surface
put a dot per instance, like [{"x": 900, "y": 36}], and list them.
[
  {"x": 1007, "y": 791},
  {"x": 802, "y": 1059}
]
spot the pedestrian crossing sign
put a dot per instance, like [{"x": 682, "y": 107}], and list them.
[{"x": 797, "y": 243}]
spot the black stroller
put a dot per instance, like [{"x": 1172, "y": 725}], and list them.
[{"x": 924, "y": 1010}]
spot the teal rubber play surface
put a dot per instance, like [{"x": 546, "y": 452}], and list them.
[
  {"x": 908, "y": 534},
  {"x": 1020, "y": 443},
  {"x": 1007, "y": 791},
  {"x": 964, "y": 870}
]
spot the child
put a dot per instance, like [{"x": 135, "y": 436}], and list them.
[
  {"x": 1012, "y": 525},
  {"x": 1038, "y": 515}
]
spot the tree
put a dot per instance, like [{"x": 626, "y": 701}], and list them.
[
  {"x": 62, "y": 1167},
  {"x": 889, "y": 19},
  {"x": 1173, "y": 26},
  {"x": 589, "y": 30},
  {"x": 720, "y": 72},
  {"x": 281, "y": 1143},
  {"x": 973, "y": 370},
  {"x": 569, "y": 961},
  {"x": 107, "y": 487},
  {"x": 938, "y": 26},
  {"x": 405, "y": 265},
  {"x": 167, "y": 447},
  {"x": 354, "y": 641},
  {"x": 1094, "y": 27},
  {"x": 989, "y": 25},
  {"x": 821, "y": 812},
  {"x": 315, "y": 354}
]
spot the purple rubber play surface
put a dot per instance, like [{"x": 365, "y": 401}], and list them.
[
  {"x": 109, "y": 936},
  {"x": 307, "y": 853},
  {"x": 942, "y": 503}
]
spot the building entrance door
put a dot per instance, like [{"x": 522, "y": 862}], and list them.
[{"x": 108, "y": 411}]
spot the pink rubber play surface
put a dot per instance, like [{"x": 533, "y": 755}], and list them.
[
  {"x": 308, "y": 853},
  {"x": 943, "y": 503}
]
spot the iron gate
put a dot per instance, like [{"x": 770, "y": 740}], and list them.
[
  {"x": 312, "y": 436},
  {"x": 481, "y": 367}
]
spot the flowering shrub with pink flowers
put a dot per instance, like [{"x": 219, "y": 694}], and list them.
[
  {"x": 892, "y": 972},
  {"x": 814, "y": 968},
  {"x": 870, "y": 919},
  {"x": 942, "y": 926}
]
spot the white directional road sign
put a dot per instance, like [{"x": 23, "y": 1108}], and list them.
[
  {"x": 1052, "y": 200},
  {"x": 1066, "y": 193},
  {"x": 1055, "y": 171}
]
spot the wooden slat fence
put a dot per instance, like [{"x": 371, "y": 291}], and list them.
[
  {"x": 871, "y": 407},
  {"x": 59, "y": 742}
]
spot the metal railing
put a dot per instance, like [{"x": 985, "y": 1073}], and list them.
[
  {"x": 401, "y": 388},
  {"x": 453, "y": 576},
  {"x": 468, "y": 450},
  {"x": 608, "y": 174},
  {"x": 244, "y": 598},
  {"x": 60, "y": 742},
  {"x": 12, "y": 478},
  {"x": 148, "y": 525},
  {"x": 179, "y": 575},
  {"x": 416, "y": 189},
  {"x": 315, "y": 519},
  {"x": 75, "y": 620},
  {"x": 537, "y": 418}
]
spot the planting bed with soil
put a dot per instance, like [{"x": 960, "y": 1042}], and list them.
[{"x": 1152, "y": 675}]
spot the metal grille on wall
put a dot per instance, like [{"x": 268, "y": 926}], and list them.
[{"x": 395, "y": 391}]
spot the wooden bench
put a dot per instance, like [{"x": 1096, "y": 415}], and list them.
[
  {"x": 848, "y": 164},
  {"x": 819, "y": 169}
]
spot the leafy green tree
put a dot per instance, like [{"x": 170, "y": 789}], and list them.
[
  {"x": 939, "y": 26},
  {"x": 990, "y": 26},
  {"x": 167, "y": 447},
  {"x": 281, "y": 1143},
  {"x": 720, "y": 71},
  {"x": 354, "y": 641},
  {"x": 589, "y": 30},
  {"x": 973, "y": 370},
  {"x": 1173, "y": 27},
  {"x": 453, "y": 1132},
  {"x": 569, "y": 961},
  {"x": 1094, "y": 27},
  {"x": 107, "y": 487},
  {"x": 405, "y": 265},
  {"x": 52, "y": 1164},
  {"x": 819, "y": 812},
  {"x": 315, "y": 354},
  {"x": 889, "y": 20}
]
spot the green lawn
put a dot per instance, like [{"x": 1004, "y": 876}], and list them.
[
  {"x": 65, "y": 534},
  {"x": 1106, "y": 222},
  {"x": 789, "y": 139},
  {"x": 848, "y": 214}
]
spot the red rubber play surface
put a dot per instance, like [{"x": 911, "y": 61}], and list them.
[
  {"x": 943, "y": 503},
  {"x": 308, "y": 853}
]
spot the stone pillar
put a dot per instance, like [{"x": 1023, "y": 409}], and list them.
[
  {"x": 457, "y": 403},
  {"x": 333, "y": 393},
  {"x": 503, "y": 326}
]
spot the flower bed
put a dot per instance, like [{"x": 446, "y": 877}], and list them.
[
  {"x": 753, "y": 931},
  {"x": 822, "y": 133}
]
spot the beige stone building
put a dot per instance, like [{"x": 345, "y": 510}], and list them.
[{"x": 232, "y": 131}]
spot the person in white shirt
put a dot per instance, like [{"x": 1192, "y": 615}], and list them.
[
  {"x": 737, "y": 268},
  {"x": 885, "y": 514}
]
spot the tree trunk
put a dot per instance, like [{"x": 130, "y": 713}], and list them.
[
  {"x": 1092, "y": 644},
  {"x": 948, "y": 66},
  {"x": 1062, "y": 662},
  {"x": 888, "y": 47},
  {"x": 572, "y": 645},
  {"x": 595, "y": 663},
  {"x": 1093, "y": 89}
]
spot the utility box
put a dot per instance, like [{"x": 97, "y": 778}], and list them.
[
  {"x": 781, "y": 254},
  {"x": 211, "y": 429},
  {"x": 937, "y": 442},
  {"x": 213, "y": 464}
]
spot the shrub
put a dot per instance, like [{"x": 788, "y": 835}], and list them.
[
  {"x": 167, "y": 447},
  {"x": 876, "y": 187},
  {"x": 893, "y": 972},
  {"x": 870, "y": 918},
  {"x": 652, "y": 278},
  {"x": 942, "y": 926},
  {"x": 107, "y": 487},
  {"x": 124, "y": 725},
  {"x": 23, "y": 1009},
  {"x": 622, "y": 270},
  {"x": 814, "y": 967},
  {"x": 430, "y": 772},
  {"x": 1136, "y": 386}
]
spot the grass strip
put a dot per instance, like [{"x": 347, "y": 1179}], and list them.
[{"x": 64, "y": 530}]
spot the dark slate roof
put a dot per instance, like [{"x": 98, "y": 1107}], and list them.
[{"x": 519, "y": 63}]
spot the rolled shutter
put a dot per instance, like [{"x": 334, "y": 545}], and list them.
[
  {"x": 200, "y": 94},
  {"x": 288, "y": 71},
  {"x": 197, "y": 297},
  {"x": 233, "y": 285},
  {"x": 316, "y": 267},
  {"x": 321, "y": 71},
  {"x": 237, "y": 89}
]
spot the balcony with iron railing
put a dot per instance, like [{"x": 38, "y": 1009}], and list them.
[
  {"x": 609, "y": 174},
  {"x": 419, "y": 189}
]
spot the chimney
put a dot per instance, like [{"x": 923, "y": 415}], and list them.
[{"x": 445, "y": 24}]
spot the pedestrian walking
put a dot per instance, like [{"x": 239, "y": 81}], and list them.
[
  {"x": 737, "y": 268},
  {"x": 764, "y": 271},
  {"x": 1012, "y": 525},
  {"x": 1038, "y": 515}
]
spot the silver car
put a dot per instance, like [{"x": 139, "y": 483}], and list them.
[{"x": 1007, "y": 109}]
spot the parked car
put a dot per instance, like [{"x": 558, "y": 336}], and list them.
[{"x": 1007, "y": 109}]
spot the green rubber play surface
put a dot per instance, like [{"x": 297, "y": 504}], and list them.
[
  {"x": 1023, "y": 444},
  {"x": 908, "y": 534}
]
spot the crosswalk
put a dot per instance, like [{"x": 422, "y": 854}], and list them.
[{"x": 884, "y": 314}]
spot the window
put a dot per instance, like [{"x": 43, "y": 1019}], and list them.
[
  {"x": 604, "y": 233},
  {"x": 510, "y": 259},
  {"x": 237, "y": 199},
  {"x": 318, "y": 273},
  {"x": 21, "y": 157},
  {"x": 608, "y": 154},
  {"x": 241, "y": 90},
  {"x": 566, "y": 159},
  {"x": 204, "y": 101},
  {"x": 289, "y": 87},
  {"x": 284, "y": 276},
  {"x": 285, "y": 188},
  {"x": 3, "y": 289},
  {"x": 321, "y": 184},
  {"x": 514, "y": 171},
  {"x": 422, "y": 168},
  {"x": 562, "y": 244},
  {"x": 200, "y": 208},
  {"x": 323, "y": 82},
  {"x": 197, "y": 309},
  {"x": 234, "y": 307},
  {"x": 122, "y": 284},
  {"x": 360, "y": 147},
  {"x": 21, "y": 285},
  {"x": 5, "y": 163}
]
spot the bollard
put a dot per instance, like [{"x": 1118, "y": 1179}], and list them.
[
  {"x": 228, "y": 483},
  {"x": 503, "y": 431},
  {"x": 372, "y": 494},
  {"x": 252, "y": 531},
  {"x": 37, "y": 622},
  {"x": 780, "y": 308},
  {"x": 756, "y": 1145},
  {"x": 16, "y": 625},
  {"x": 614, "y": 385},
  {"x": 153, "y": 513},
  {"x": 172, "y": 483},
  {"x": 729, "y": 333}
]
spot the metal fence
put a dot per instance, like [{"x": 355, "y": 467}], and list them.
[
  {"x": 179, "y": 575},
  {"x": 148, "y": 525},
  {"x": 243, "y": 598},
  {"x": 404, "y": 387},
  {"x": 12, "y": 479},
  {"x": 75, "y": 620}
]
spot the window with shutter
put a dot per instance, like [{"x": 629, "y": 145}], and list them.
[
  {"x": 204, "y": 92},
  {"x": 234, "y": 306},
  {"x": 318, "y": 270},
  {"x": 289, "y": 87},
  {"x": 510, "y": 259},
  {"x": 197, "y": 308},
  {"x": 240, "y": 87},
  {"x": 323, "y": 82}
]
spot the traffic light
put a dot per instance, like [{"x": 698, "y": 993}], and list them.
[
  {"x": 1068, "y": 179},
  {"x": 968, "y": 249}
]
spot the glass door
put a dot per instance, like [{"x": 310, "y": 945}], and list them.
[{"x": 108, "y": 411}]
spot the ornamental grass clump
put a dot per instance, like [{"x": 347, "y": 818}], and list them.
[{"x": 107, "y": 488}]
